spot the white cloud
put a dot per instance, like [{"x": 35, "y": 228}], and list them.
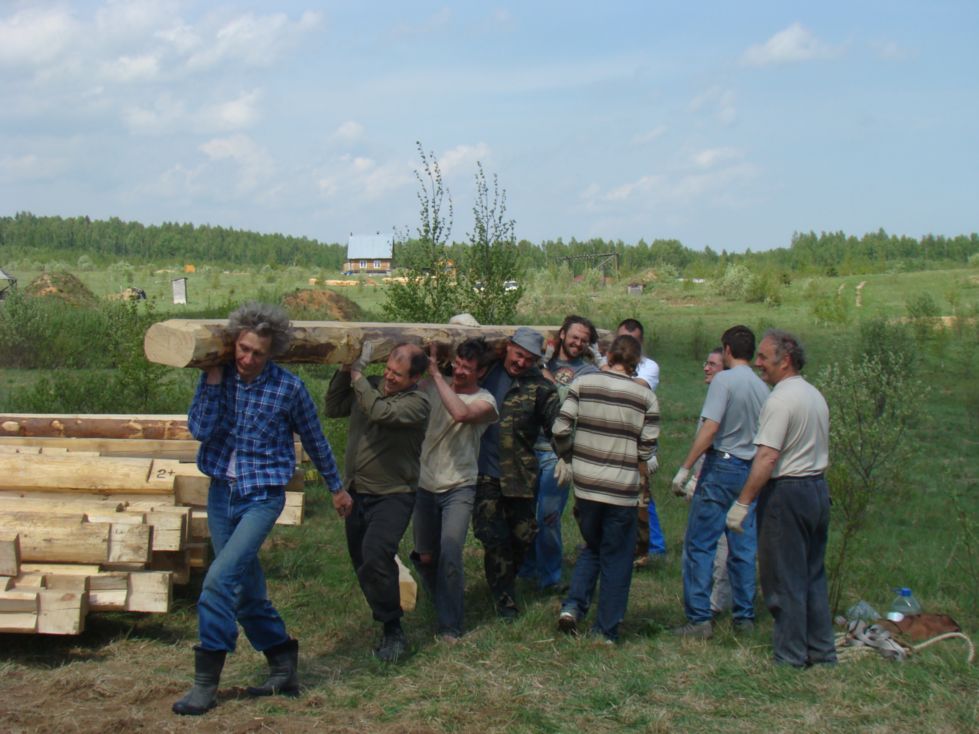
[
  {"x": 234, "y": 114},
  {"x": 790, "y": 45},
  {"x": 359, "y": 177},
  {"x": 710, "y": 157},
  {"x": 462, "y": 157},
  {"x": 132, "y": 68},
  {"x": 164, "y": 115},
  {"x": 253, "y": 40},
  {"x": 718, "y": 102},
  {"x": 649, "y": 136},
  {"x": 35, "y": 37},
  {"x": 28, "y": 167},
  {"x": 890, "y": 50},
  {"x": 349, "y": 131},
  {"x": 254, "y": 166}
]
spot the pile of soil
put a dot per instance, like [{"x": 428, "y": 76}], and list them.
[
  {"x": 321, "y": 305},
  {"x": 63, "y": 286}
]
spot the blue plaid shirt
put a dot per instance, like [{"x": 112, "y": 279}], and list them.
[{"x": 255, "y": 423}]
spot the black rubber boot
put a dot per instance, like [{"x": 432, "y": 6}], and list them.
[
  {"x": 283, "y": 677},
  {"x": 207, "y": 674}
]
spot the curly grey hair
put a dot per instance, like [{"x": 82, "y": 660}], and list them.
[
  {"x": 262, "y": 319},
  {"x": 786, "y": 343}
]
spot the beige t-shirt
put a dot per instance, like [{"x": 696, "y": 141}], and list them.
[
  {"x": 795, "y": 422},
  {"x": 450, "y": 450}
]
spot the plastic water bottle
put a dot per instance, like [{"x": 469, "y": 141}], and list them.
[{"x": 904, "y": 604}]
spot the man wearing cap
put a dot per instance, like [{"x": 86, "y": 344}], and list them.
[
  {"x": 787, "y": 476},
  {"x": 505, "y": 509}
]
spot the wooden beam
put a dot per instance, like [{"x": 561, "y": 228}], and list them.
[
  {"x": 95, "y": 426},
  {"x": 61, "y": 612},
  {"x": 200, "y": 342},
  {"x": 101, "y": 475},
  {"x": 9, "y": 553},
  {"x": 184, "y": 450}
]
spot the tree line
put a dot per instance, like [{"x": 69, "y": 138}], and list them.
[{"x": 105, "y": 241}]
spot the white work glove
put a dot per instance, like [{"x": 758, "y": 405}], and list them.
[
  {"x": 366, "y": 352},
  {"x": 652, "y": 465},
  {"x": 736, "y": 515},
  {"x": 679, "y": 480},
  {"x": 596, "y": 355},
  {"x": 689, "y": 487},
  {"x": 562, "y": 472},
  {"x": 548, "y": 352}
]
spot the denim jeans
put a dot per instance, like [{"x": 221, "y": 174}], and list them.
[
  {"x": 234, "y": 587},
  {"x": 374, "y": 529},
  {"x": 793, "y": 525},
  {"x": 720, "y": 483},
  {"x": 546, "y": 555},
  {"x": 609, "y": 532},
  {"x": 441, "y": 522}
]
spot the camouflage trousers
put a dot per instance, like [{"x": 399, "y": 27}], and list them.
[{"x": 506, "y": 526}]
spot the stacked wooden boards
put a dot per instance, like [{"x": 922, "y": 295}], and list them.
[{"x": 91, "y": 523}]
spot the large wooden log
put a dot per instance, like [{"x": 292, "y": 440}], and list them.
[
  {"x": 200, "y": 342},
  {"x": 184, "y": 450},
  {"x": 9, "y": 553},
  {"x": 98, "y": 474},
  {"x": 70, "y": 539},
  {"x": 95, "y": 426}
]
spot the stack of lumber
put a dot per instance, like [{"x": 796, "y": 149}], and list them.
[{"x": 92, "y": 523}]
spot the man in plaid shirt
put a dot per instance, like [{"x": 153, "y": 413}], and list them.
[{"x": 245, "y": 415}]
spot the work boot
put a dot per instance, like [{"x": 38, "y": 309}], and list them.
[
  {"x": 207, "y": 673},
  {"x": 392, "y": 647},
  {"x": 283, "y": 678},
  {"x": 702, "y": 630}
]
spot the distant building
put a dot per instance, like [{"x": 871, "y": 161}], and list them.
[{"x": 369, "y": 254}]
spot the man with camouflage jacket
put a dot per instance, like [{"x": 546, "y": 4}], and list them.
[{"x": 504, "y": 515}]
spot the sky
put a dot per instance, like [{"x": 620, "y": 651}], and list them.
[{"x": 722, "y": 124}]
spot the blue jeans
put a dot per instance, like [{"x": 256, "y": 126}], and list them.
[
  {"x": 720, "y": 483},
  {"x": 441, "y": 522},
  {"x": 546, "y": 555},
  {"x": 609, "y": 532},
  {"x": 793, "y": 525},
  {"x": 234, "y": 587}
]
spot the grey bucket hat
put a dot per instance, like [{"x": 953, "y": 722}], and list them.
[{"x": 532, "y": 341}]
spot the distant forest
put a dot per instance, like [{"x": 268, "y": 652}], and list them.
[{"x": 26, "y": 237}]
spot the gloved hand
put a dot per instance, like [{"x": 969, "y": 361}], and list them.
[
  {"x": 562, "y": 472},
  {"x": 736, "y": 515},
  {"x": 594, "y": 353},
  {"x": 366, "y": 352},
  {"x": 652, "y": 465},
  {"x": 548, "y": 351},
  {"x": 679, "y": 480},
  {"x": 689, "y": 487}
]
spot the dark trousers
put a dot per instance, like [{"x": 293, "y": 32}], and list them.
[
  {"x": 374, "y": 529},
  {"x": 506, "y": 527},
  {"x": 793, "y": 525},
  {"x": 609, "y": 532}
]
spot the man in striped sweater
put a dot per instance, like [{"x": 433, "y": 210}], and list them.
[{"x": 607, "y": 430}]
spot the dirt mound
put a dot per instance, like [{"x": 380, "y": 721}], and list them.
[
  {"x": 312, "y": 304},
  {"x": 61, "y": 285}
]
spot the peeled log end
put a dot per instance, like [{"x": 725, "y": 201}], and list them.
[{"x": 177, "y": 343}]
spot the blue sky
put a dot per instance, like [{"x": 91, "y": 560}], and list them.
[{"x": 725, "y": 124}]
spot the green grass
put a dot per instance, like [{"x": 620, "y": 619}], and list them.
[{"x": 526, "y": 677}]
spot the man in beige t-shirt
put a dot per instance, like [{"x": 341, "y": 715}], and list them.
[
  {"x": 461, "y": 412},
  {"x": 788, "y": 478}
]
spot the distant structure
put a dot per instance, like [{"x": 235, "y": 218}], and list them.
[
  {"x": 7, "y": 284},
  {"x": 369, "y": 254}
]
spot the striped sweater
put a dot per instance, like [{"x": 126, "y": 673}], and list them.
[{"x": 607, "y": 425}]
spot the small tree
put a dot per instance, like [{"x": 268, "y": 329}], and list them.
[
  {"x": 871, "y": 409},
  {"x": 428, "y": 293},
  {"x": 491, "y": 260}
]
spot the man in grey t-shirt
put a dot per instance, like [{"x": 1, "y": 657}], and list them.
[{"x": 730, "y": 420}]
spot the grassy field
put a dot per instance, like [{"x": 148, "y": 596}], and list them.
[{"x": 126, "y": 670}]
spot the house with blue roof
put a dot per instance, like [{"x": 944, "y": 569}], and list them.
[{"x": 369, "y": 254}]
